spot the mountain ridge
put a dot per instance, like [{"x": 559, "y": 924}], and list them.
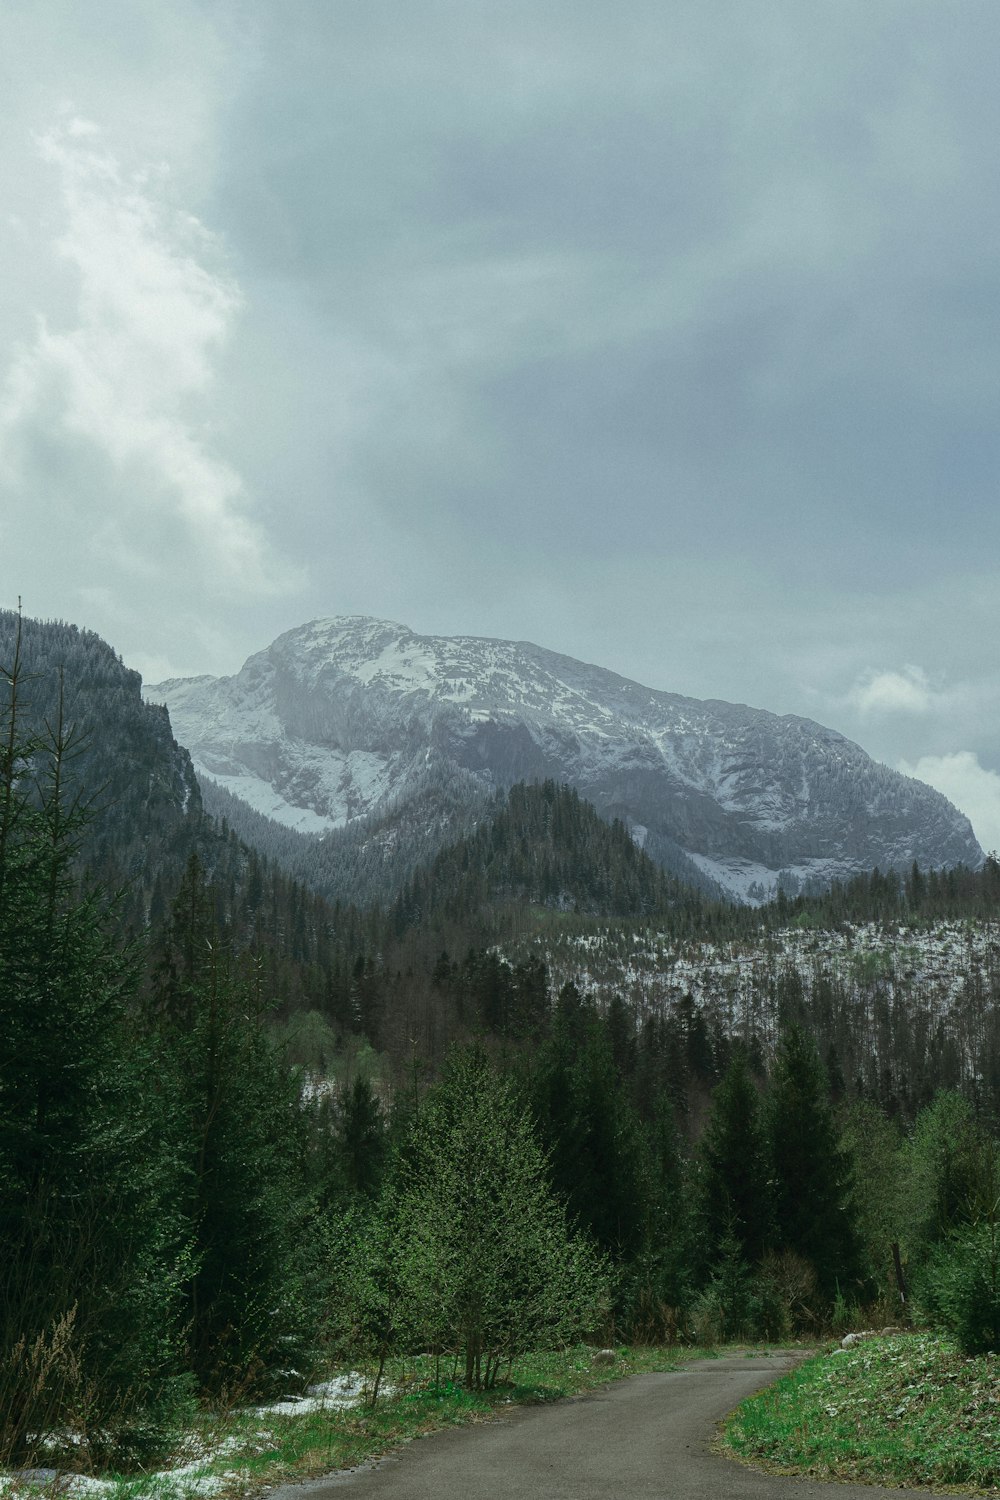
[{"x": 337, "y": 718}]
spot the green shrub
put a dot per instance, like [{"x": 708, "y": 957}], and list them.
[
  {"x": 959, "y": 1289},
  {"x": 740, "y": 1303}
]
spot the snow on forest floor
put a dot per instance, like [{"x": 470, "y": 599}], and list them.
[
  {"x": 730, "y": 979},
  {"x": 197, "y": 1473}
]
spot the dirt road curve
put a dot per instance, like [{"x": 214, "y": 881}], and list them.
[{"x": 641, "y": 1439}]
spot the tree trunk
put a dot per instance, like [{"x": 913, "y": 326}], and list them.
[{"x": 898, "y": 1268}]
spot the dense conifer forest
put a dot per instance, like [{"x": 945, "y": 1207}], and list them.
[{"x": 246, "y": 1130}]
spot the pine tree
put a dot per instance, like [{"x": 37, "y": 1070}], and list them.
[
  {"x": 735, "y": 1191},
  {"x": 600, "y": 1165},
  {"x": 92, "y": 1245},
  {"x": 810, "y": 1169},
  {"x": 242, "y": 1135},
  {"x": 361, "y": 1138}
]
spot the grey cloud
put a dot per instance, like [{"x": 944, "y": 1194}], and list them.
[{"x": 664, "y": 335}]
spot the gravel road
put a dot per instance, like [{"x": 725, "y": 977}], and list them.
[{"x": 648, "y": 1438}]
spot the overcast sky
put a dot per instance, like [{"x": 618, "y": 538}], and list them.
[{"x": 666, "y": 335}]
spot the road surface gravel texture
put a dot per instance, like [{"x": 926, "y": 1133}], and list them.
[{"x": 647, "y": 1438}]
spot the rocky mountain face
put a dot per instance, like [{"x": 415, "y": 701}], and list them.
[{"x": 347, "y": 717}]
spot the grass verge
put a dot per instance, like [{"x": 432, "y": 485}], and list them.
[
  {"x": 243, "y": 1453},
  {"x": 904, "y": 1410}
]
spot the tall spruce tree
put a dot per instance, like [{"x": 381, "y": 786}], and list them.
[
  {"x": 92, "y": 1245},
  {"x": 361, "y": 1138},
  {"x": 591, "y": 1131},
  {"x": 242, "y": 1137},
  {"x": 735, "y": 1186},
  {"x": 811, "y": 1171}
]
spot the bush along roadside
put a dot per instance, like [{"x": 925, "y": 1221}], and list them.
[{"x": 908, "y": 1409}]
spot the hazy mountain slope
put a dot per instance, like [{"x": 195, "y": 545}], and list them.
[
  {"x": 340, "y": 718},
  {"x": 146, "y": 817},
  {"x": 366, "y": 862},
  {"x": 145, "y": 801}
]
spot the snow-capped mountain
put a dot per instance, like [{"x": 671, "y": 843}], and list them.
[{"x": 345, "y": 717}]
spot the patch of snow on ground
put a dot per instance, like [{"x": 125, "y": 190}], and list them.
[
  {"x": 343, "y": 1390},
  {"x": 370, "y": 776},
  {"x": 170, "y": 1484},
  {"x": 190, "y": 1479},
  {"x": 752, "y": 883}
]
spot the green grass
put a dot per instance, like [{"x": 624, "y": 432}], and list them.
[
  {"x": 902, "y": 1410},
  {"x": 241, "y": 1453}
]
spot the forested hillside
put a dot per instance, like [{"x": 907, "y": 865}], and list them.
[
  {"x": 142, "y": 824},
  {"x": 534, "y": 891},
  {"x": 542, "y": 847},
  {"x": 122, "y": 760}
]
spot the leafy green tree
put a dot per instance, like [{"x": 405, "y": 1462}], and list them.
[
  {"x": 951, "y": 1197},
  {"x": 488, "y": 1265},
  {"x": 959, "y": 1286},
  {"x": 875, "y": 1145},
  {"x": 949, "y": 1174},
  {"x": 371, "y": 1314}
]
